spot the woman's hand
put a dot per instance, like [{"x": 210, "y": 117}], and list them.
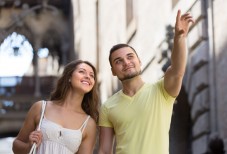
[{"x": 35, "y": 137}]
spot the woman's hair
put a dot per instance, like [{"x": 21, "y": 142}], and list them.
[{"x": 90, "y": 103}]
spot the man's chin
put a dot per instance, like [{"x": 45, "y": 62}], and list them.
[{"x": 128, "y": 77}]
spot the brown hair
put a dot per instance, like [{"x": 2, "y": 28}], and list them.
[{"x": 90, "y": 103}]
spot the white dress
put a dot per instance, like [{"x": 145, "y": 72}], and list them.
[{"x": 60, "y": 140}]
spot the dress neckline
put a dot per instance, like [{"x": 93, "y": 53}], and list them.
[{"x": 84, "y": 123}]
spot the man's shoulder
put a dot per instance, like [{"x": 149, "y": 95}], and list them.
[
  {"x": 150, "y": 87},
  {"x": 155, "y": 83},
  {"x": 112, "y": 99}
]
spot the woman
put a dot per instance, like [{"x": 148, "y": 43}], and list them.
[{"x": 66, "y": 127}]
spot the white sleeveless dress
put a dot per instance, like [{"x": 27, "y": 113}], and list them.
[{"x": 60, "y": 140}]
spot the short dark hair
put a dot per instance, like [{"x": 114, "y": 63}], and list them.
[{"x": 119, "y": 46}]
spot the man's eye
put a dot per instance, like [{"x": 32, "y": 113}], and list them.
[
  {"x": 118, "y": 62},
  {"x": 130, "y": 57}
]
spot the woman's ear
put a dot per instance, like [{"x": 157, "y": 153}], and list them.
[{"x": 70, "y": 79}]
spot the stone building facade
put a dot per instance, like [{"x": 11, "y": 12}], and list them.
[
  {"x": 42, "y": 25},
  {"x": 146, "y": 25},
  {"x": 91, "y": 28}
]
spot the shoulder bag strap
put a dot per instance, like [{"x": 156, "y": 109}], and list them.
[
  {"x": 42, "y": 114},
  {"x": 33, "y": 149}
]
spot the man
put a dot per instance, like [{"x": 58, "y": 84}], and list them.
[{"x": 139, "y": 115}]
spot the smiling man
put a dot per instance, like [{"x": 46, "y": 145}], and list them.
[{"x": 139, "y": 115}]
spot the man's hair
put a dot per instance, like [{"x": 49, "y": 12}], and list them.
[{"x": 119, "y": 46}]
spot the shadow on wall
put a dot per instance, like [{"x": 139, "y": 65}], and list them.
[
  {"x": 181, "y": 123},
  {"x": 215, "y": 145}
]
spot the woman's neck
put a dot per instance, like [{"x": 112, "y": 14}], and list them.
[{"x": 73, "y": 101}]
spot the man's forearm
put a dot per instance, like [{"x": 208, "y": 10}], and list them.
[{"x": 179, "y": 55}]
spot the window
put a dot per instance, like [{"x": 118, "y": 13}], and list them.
[
  {"x": 174, "y": 2},
  {"x": 130, "y": 20},
  {"x": 16, "y": 55},
  {"x": 129, "y": 11}
]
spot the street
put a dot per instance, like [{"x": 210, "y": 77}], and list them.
[{"x": 6, "y": 145}]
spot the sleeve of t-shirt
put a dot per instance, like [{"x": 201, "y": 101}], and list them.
[
  {"x": 103, "y": 117},
  {"x": 167, "y": 96}
]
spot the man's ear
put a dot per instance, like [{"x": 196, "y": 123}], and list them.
[
  {"x": 140, "y": 62},
  {"x": 113, "y": 73}
]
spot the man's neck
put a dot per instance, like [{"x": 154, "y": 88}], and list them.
[{"x": 131, "y": 86}]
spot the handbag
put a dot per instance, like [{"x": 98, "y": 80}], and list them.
[{"x": 34, "y": 146}]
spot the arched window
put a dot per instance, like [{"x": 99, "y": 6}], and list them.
[{"x": 16, "y": 55}]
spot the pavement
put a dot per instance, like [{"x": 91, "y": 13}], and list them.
[{"x": 6, "y": 145}]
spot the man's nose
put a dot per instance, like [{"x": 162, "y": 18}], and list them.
[{"x": 126, "y": 61}]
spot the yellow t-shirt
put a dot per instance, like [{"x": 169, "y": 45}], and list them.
[{"x": 141, "y": 123}]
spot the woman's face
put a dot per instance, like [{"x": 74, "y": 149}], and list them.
[{"x": 83, "y": 78}]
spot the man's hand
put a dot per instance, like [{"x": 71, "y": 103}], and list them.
[{"x": 183, "y": 23}]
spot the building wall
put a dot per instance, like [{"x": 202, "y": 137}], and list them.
[
  {"x": 148, "y": 29},
  {"x": 220, "y": 57},
  {"x": 85, "y": 28},
  {"x": 202, "y": 101},
  {"x": 112, "y": 30},
  {"x": 41, "y": 28},
  {"x": 197, "y": 79},
  {"x": 203, "y": 80}
]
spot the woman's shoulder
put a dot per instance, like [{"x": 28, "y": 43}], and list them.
[
  {"x": 91, "y": 124},
  {"x": 91, "y": 121},
  {"x": 36, "y": 108},
  {"x": 34, "y": 111},
  {"x": 91, "y": 127},
  {"x": 37, "y": 105}
]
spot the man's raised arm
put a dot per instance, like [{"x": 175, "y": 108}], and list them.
[{"x": 175, "y": 73}]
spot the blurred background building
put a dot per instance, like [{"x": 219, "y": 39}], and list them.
[{"x": 38, "y": 37}]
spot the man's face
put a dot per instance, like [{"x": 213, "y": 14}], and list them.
[{"x": 125, "y": 63}]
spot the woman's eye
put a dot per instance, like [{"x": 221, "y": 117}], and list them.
[{"x": 81, "y": 72}]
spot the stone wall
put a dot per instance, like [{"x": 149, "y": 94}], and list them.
[
  {"x": 201, "y": 108},
  {"x": 220, "y": 58}
]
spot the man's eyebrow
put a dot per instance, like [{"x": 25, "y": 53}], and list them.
[
  {"x": 117, "y": 59},
  {"x": 130, "y": 54}
]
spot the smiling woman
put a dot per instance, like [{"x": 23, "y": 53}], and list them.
[
  {"x": 72, "y": 106},
  {"x": 16, "y": 55}
]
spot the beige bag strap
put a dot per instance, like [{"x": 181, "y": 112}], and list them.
[
  {"x": 33, "y": 149},
  {"x": 42, "y": 114}
]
